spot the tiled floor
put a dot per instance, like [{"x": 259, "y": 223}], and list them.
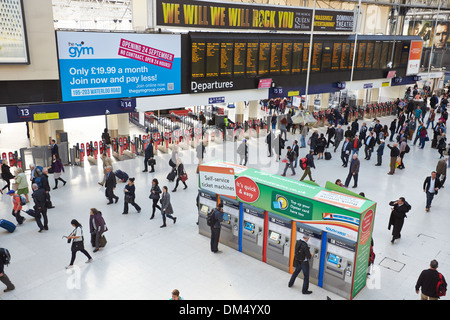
[{"x": 143, "y": 261}]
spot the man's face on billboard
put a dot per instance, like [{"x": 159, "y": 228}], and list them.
[{"x": 441, "y": 36}]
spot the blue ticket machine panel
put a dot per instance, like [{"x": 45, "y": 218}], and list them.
[
  {"x": 229, "y": 234},
  {"x": 315, "y": 244},
  {"x": 207, "y": 201},
  {"x": 339, "y": 265},
  {"x": 253, "y": 231},
  {"x": 279, "y": 242}
]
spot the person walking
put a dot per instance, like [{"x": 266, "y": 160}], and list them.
[
  {"x": 215, "y": 227},
  {"x": 17, "y": 206},
  {"x": 339, "y": 136},
  {"x": 428, "y": 280},
  {"x": 22, "y": 184},
  {"x": 380, "y": 151},
  {"x": 242, "y": 151},
  {"x": 40, "y": 207},
  {"x": 353, "y": 172},
  {"x": 431, "y": 186},
  {"x": 155, "y": 192},
  {"x": 148, "y": 157},
  {"x": 302, "y": 256},
  {"x": 392, "y": 128},
  {"x": 97, "y": 227},
  {"x": 442, "y": 145},
  {"x": 77, "y": 239},
  {"x": 394, "y": 154},
  {"x": 369, "y": 144},
  {"x": 296, "y": 151},
  {"x": 290, "y": 158},
  {"x": 6, "y": 175},
  {"x": 441, "y": 171},
  {"x": 57, "y": 168},
  {"x": 107, "y": 162},
  {"x": 110, "y": 185},
  {"x": 130, "y": 196},
  {"x": 182, "y": 176},
  {"x": 166, "y": 207},
  {"x": 404, "y": 148},
  {"x": 309, "y": 165},
  {"x": 3, "y": 277},
  {"x": 303, "y": 135},
  {"x": 270, "y": 142},
  {"x": 278, "y": 146},
  {"x": 345, "y": 152},
  {"x": 46, "y": 186},
  {"x": 398, "y": 214}
]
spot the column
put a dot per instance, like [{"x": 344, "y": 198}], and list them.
[
  {"x": 39, "y": 134},
  {"x": 324, "y": 99},
  {"x": 240, "y": 107},
  {"x": 253, "y": 108},
  {"x": 360, "y": 96},
  {"x": 123, "y": 124},
  {"x": 112, "y": 125},
  {"x": 56, "y": 127}
]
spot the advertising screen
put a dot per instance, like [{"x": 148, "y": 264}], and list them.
[
  {"x": 118, "y": 65},
  {"x": 13, "y": 40}
]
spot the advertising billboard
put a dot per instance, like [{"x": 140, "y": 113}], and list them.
[
  {"x": 13, "y": 40},
  {"x": 415, "y": 55},
  {"x": 118, "y": 65}
]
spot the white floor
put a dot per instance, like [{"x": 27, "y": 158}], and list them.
[{"x": 143, "y": 261}]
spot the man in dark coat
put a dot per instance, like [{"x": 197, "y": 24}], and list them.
[
  {"x": 428, "y": 282},
  {"x": 110, "y": 185},
  {"x": 431, "y": 185},
  {"x": 39, "y": 196},
  {"x": 149, "y": 154},
  {"x": 345, "y": 153},
  {"x": 397, "y": 218},
  {"x": 395, "y": 152},
  {"x": 353, "y": 171},
  {"x": 215, "y": 228},
  {"x": 302, "y": 256}
]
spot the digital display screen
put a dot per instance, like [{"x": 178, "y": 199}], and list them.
[
  {"x": 226, "y": 58},
  {"x": 297, "y": 57},
  {"x": 405, "y": 55},
  {"x": 360, "y": 54},
  {"x": 249, "y": 226},
  {"x": 305, "y": 57},
  {"x": 345, "y": 55},
  {"x": 275, "y": 57},
  {"x": 326, "y": 58},
  {"x": 384, "y": 55},
  {"x": 240, "y": 50},
  {"x": 336, "y": 57},
  {"x": 198, "y": 59},
  {"x": 316, "y": 57},
  {"x": 204, "y": 208},
  {"x": 264, "y": 58},
  {"x": 274, "y": 236},
  {"x": 286, "y": 58},
  {"x": 397, "y": 54},
  {"x": 332, "y": 258},
  {"x": 212, "y": 59},
  {"x": 252, "y": 58},
  {"x": 350, "y": 56},
  {"x": 376, "y": 56},
  {"x": 369, "y": 55},
  {"x": 226, "y": 217}
]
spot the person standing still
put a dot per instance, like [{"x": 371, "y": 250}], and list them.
[
  {"x": 353, "y": 171},
  {"x": 301, "y": 263},
  {"x": 215, "y": 228},
  {"x": 395, "y": 152},
  {"x": 428, "y": 281}
]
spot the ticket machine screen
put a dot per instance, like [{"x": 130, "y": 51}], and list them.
[
  {"x": 334, "y": 259},
  {"x": 226, "y": 217},
  {"x": 204, "y": 208},
  {"x": 274, "y": 236},
  {"x": 249, "y": 226}
]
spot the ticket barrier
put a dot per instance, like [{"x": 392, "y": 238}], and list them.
[
  {"x": 315, "y": 244},
  {"x": 207, "y": 202},
  {"x": 253, "y": 231},
  {"x": 339, "y": 265},
  {"x": 278, "y": 242},
  {"x": 229, "y": 234}
]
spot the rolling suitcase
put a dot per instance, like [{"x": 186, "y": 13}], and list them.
[
  {"x": 30, "y": 212},
  {"x": 7, "y": 225},
  {"x": 327, "y": 155},
  {"x": 172, "y": 174},
  {"x": 121, "y": 175}
]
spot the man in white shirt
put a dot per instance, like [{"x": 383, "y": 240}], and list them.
[{"x": 431, "y": 185}]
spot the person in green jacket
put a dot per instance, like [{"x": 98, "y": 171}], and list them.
[{"x": 22, "y": 184}]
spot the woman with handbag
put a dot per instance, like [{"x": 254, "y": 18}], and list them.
[
  {"x": 77, "y": 239},
  {"x": 57, "y": 167},
  {"x": 155, "y": 195},
  {"x": 130, "y": 195},
  {"x": 166, "y": 207},
  {"x": 97, "y": 227},
  {"x": 182, "y": 175}
]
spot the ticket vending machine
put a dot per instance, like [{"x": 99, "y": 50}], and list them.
[
  {"x": 253, "y": 231},
  {"x": 278, "y": 242},
  {"x": 207, "y": 201},
  {"x": 229, "y": 234},
  {"x": 315, "y": 244},
  {"x": 339, "y": 265}
]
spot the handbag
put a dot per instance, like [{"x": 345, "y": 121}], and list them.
[
  {"x": 151, "y": 162},
  {"x": 184, "y": 177}
]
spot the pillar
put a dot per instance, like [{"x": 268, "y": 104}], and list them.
[
  {"x": 253, "y": 107},
  {"x": 123, "y": 122},
  {"x": 360, "y": 96},
  {"x": 112, "y": 125},
  {"x": 56, "y": 127},
  {"x": 240, "y": 107},
  {"x": 375, "y": 95},
  {"x": 324, "y": 99},
  {"x": 39, "y": 134}
]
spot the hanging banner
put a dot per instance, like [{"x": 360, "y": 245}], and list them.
[
  {"x": 415, "y": 55},
  {"x": 223, "y": 15}
]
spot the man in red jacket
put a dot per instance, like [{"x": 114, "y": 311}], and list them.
[{"x": 16, "y": 206}]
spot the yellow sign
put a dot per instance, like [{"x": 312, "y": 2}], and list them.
[
  {"x": 293, "y": 93},
  {"x": 46, "y": 116},
  {"x": 385, "y": 84}
]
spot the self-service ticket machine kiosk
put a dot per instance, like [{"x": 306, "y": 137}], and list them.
[
  {"x": 253, "y": 231},
  {"x": 278, "y": 242},
  {"x": 229, "y": 234},
  {"x": 207, "y": 202},
  {"x": 339, "y": 265},
  {"x": 315, "y": 244}
]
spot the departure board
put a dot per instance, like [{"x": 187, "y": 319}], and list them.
[
  {"x": 369, "y": 55},
  {"x": 226, "y": 58},
  {"x": 297, "y": 57},
  {"x": 240, "y": 54},
  {"x": 397, "y": 54},
  {"x": 252, "y": 59},
  {"x": 305, "y": 57},
  {"x": 275, "y": 57},
  {"x": 316, "y": 57},
  {"x": 198, "y": 59},
  {"x": 390, "y": 49},
  {"x": 377, "y": 55},
  {"x": 361, "y": 55},
  {"x": 350, "y": 56},
  {"x": 345, "y": 56},
  {"x": 212, "y": 59},
  {"x": 264, "y": 58},
  {"x": 286, "y": 58},
  {"x": 336, "y": 57},
  {"x": 384, "y": 55},
  {"x": 405, "y": 55},
  {"x": 326, "y": 58}
]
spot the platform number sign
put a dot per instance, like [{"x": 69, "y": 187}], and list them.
[
  {"x": 24, "y": 112},
  {"x": 126, "y": 104}
]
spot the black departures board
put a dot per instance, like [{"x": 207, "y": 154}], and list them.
[{"x": 262, "y": 56}]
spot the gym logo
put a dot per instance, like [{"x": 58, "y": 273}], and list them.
[
  {"x": 280, "y": 203},
  {"x": 77, "y": 50}
]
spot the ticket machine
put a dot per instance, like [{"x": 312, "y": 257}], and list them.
[
  {"x": 253, "y": 231},
  {"x": 229, "y": 234},
  {"x": 278, "y": 242},
  {"x": 339, "y": 265},
  {"x": 207, "y": 201},
  {"x": 315, "y": 244}
]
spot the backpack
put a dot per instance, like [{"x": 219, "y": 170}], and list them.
[
  {"x": 5, "y": 256},
  {"x": 211, "y": 218},
  {"x": 407, "y": 149},
  {"x": 23, "y": 200},
  {"x": 441, "y": 287},
  {"x": 303, "y": 162},
  {"x": 38, "y": 171}
]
